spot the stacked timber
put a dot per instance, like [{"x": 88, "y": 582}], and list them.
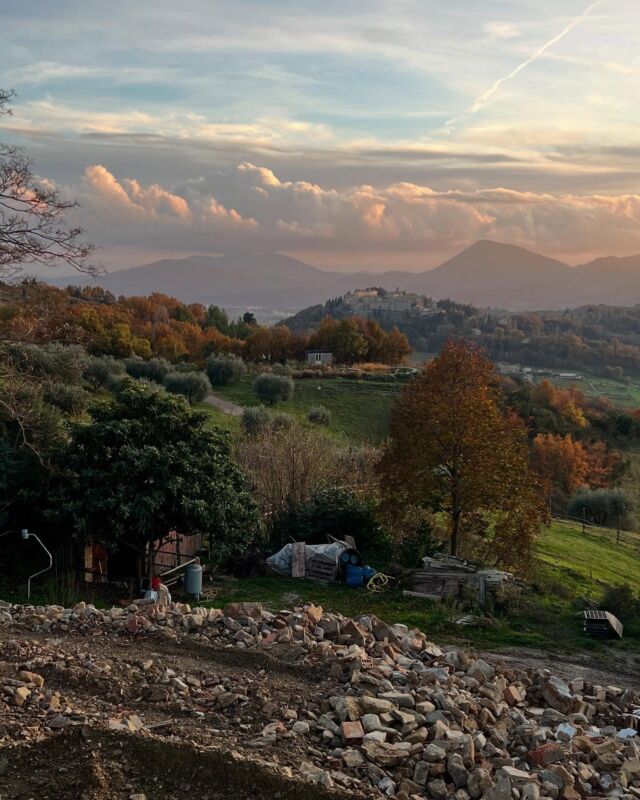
[{"x": 450, "y": 576}]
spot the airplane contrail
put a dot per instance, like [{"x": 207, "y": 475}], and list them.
[{"x": 481, "y": 101}]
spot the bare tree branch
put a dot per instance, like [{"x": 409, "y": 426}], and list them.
[{"x": 33, "y": 229}]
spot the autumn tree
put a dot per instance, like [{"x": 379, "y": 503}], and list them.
[
  {"x": 565, "y": 465},
  {"x": 455, "y": 449},
  {"x": 561, "y": 463}
]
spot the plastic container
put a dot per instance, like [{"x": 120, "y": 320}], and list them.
[
  {"x": 193, "y": 579},
  {"x": 368, "y": 573},
  {"x": 353, "y": 576}
]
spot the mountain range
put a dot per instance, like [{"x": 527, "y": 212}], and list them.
[{"x": 486, "y": 274}]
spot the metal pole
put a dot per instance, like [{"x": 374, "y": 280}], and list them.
[{"x": 26, "y": 535}]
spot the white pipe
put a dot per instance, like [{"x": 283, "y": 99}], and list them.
[{"x": 25, "y": 535}]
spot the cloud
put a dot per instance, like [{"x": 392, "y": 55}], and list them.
[
  {"x": 251, "y": 208},
  {"x": 501, "y": 30},
  {"x": 482, "y": 100}
]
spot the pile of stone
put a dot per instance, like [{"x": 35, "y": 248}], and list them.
[{"x": 399, "y": 713}]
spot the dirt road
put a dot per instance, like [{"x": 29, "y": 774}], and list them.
[{"x": 225, "y": 406}]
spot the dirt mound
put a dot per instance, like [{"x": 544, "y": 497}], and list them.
[{"x": 102, "y": 765}]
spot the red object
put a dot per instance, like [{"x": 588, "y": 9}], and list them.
[{"x": 155, "y": 583}]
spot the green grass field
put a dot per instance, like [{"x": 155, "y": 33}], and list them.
[
  {"x": 619, "y": 392},
  {"x": 360, "y": 410},
  {"x": 570, "y": 567}
]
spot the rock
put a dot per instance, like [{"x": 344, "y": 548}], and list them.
[
  {"x": 300, "y": 727},
  {"x": 421, "y": 773},
  {"x": 401, "y": 699},
  {"x": 529, "y": 791},
  {"x": 457, "y": 771},
  {"x": 21, "y": 696},
  {"x": 352, "y": 758},
  {"x": 546, "y": 754},
  {"x": 375, "y": 705},
  {"x": 384, "y": 754},
  {"x": 243, "y": 610},
  {"x": 478, "y": 781},
  {"x": 352, "y": 732},
  {"x": 556, "y": 692},
  {"x": 434, "y": 752},
  {"x": 481, "y": 671},
  {"x": 437, "y": 790},
  {"x": 4, "y": 767},
  {"x": 316, "y": 774},
  {"x": 314, "y": 613},
  {"x": 31, "y": 677}
]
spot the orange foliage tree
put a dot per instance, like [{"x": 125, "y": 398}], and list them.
[
  {"x": 455, "y": 449},
  {"x": 561, "y": 463},
  {"x": 565, "y": 465}
]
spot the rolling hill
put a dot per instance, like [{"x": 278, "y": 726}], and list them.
[{"x": 486, "y": 274}]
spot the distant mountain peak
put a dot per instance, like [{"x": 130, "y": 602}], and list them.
[{"x": 488, "y": 273}]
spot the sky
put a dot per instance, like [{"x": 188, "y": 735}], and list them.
[{"x": 378, "y": 134}]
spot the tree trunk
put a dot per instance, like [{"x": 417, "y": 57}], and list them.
[{"x": 453, "y": 541}]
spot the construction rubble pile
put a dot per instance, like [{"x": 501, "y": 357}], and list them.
[{"x": 387, "y": 711}]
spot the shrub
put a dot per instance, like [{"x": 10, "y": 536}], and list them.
[
  {"x": 334, "y": 511},
  {"x": 155, "y": 369},
  {"x": 255, "y": 419},
  {"x": 418, "y": 543},
  {"x": 281, "y": 421},
  {"x": 101, "y": 371},
  {"x": 281, "y": 369},
  {"x": 273, "y": 388},
  {"x": 608, "y": 507},
  {"x": 193, "y": 385},
  {"x": 319, "y": 415},
  {"x": 67, "y": 397},
  {"x": 224, "y": 368},
  {"x": 621, "y": 601}
]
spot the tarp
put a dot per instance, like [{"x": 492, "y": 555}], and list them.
[{"x": 280, "y": 562}]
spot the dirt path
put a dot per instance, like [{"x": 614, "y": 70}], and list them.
[
  {"x": 226, "y": 406},
  {"x": 619, "y": 668}
]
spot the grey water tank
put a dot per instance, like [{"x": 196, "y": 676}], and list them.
[{"x": 193, "y": 579}]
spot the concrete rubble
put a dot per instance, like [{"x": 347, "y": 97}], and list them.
[{"x": 393, "y": 713}]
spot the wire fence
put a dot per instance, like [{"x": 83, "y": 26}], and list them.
[{"x": 617, "y": 535}]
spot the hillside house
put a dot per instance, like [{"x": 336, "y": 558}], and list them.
[{"x": 319, "y": 357}]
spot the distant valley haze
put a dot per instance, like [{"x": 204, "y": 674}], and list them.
[{"x": 486, "y": 274}]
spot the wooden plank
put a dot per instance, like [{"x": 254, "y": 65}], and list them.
[
  {"x": 298, "y": 566},
  {"x": 436, "y": 597},
  {"x": 350, "y": 542}
]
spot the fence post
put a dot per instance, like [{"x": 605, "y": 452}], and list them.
[
  {"x": 618, "y": 531},
  {"x": 584, "y": 520}
]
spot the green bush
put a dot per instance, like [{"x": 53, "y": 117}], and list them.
[
  {"x": 255, "y": 420},
  {"x": 67, "y": 397},
  {"x": 417, "y": 544},
  {"x": 270, "y": 389},
  {"x": 319, "y": 415},
  {"x": 155, "y": 369},
  {"x": 607, "y": 507},
  {"x": 194, "y": 386},
  {"x": 335, "y": 511},
  {"x": 224, "y": 368},
  {"x": 281, "y": 421},
  {"x": 101, "y": 371},
  {"x": 621, "y": 601}
]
